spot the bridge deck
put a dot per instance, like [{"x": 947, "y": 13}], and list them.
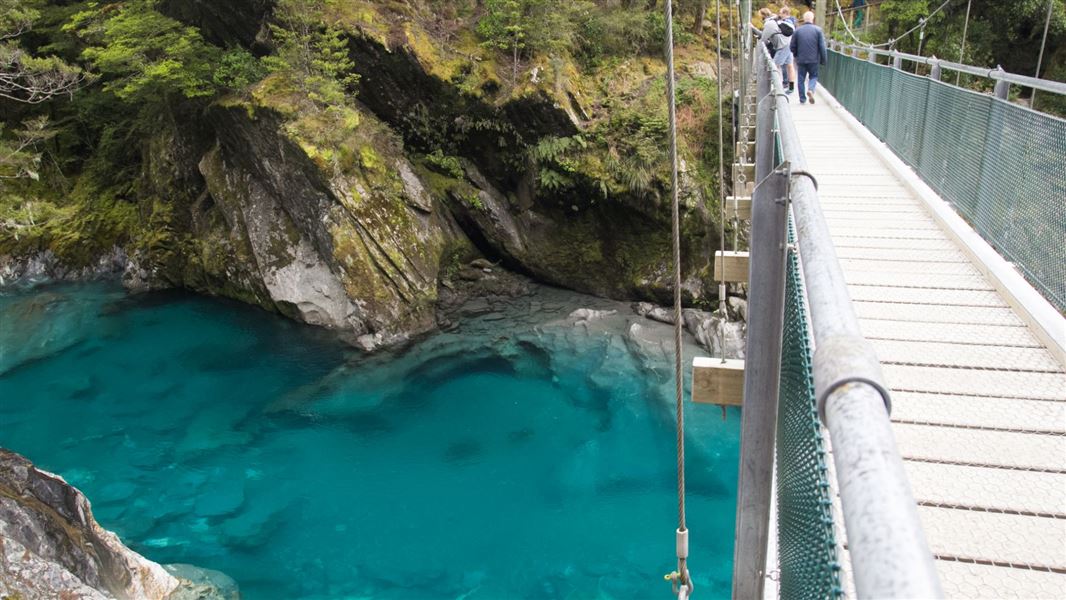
[{"x": 979, "y": 404}]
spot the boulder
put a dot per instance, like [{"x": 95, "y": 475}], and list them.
[
  {"x": 63, "y": 546},
  {"x": 52, "y": 547},
  {"x": 739, "y": 307},
  {"x": 586, "y": 315}
]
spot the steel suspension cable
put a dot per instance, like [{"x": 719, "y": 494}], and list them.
[
  {"x": 682, "y": 581},
  {"x": 962, "y": 50},
  {"x": 721, "y": 165},
  {"x": 840, "y": 12},
  {"x": 732, "y": 74},
  {"x": 734, "y": 121},
  {"x": 1043, "y": 43}
]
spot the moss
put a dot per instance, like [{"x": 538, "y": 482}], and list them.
[
  {"x": 455, "y": 254},
  {"x": 360, "y": 16},
  {"x": 370, "y": 160},
  {"x": 79, "y": 224}
]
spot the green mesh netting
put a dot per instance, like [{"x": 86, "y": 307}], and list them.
[
  {"x": 807, "y": 550},
  {"x": 1001, "y": 165}
]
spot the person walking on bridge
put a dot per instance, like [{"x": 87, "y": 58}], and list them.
[
  {"x": 808, "y": 49},
  {"x": 777, "y": 41},
  {"x": 786, "y": 24}
]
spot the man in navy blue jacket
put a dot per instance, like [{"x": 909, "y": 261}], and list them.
[{"x": 808, "y": 48}]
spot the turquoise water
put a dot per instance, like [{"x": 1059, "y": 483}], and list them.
[{"x": 512, "y": 458}]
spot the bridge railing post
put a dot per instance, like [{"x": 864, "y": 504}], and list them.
[
  {"x": 762, "y": 365},
  {"x": 1002, "y": 89}
]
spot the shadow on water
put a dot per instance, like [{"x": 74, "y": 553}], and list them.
[{"x": 463, "y": 451}]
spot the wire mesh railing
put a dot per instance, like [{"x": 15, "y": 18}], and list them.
[
  {"x": 807, "y": 546},
  {"x": 1002, "y": 166}
]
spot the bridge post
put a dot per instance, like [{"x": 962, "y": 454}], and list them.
[
  {"x": 934, "y": 73},
  {"x": 766, "y": 300},
  {"x": 1002, "y": 89},
  {"x": 897, "y": 61}
]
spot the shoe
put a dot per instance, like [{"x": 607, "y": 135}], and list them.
[
  {"x": 791, "y": 87},
  {"x": 803, "y": 101},
  {"x": 811, "y": 99}
]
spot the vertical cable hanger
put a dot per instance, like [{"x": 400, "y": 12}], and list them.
[
  {"x": 680, "y": 579},
  {"x": 722, "y": 304},
  {"x": 1043, "y": 44}
]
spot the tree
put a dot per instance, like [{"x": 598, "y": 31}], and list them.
[
  {"x": 504, "y": 27},
  {"x": 701, "y": 15},
  {"x": 24, "y": 77},
  {"x": 19, "y": 158},
  {"x": 28, "y": 79},
  {"x": 313, "y": 53},
  {"x": 144, "y": 56}
]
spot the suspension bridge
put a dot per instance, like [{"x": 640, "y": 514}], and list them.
[{"x": 904, "y": 391}]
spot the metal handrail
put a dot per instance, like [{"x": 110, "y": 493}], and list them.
[
  {"x": 889, "y": 553},
  {"x": 997, "y": 74}
]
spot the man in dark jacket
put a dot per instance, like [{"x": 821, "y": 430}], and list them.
[{"x": 808, "y": 50}]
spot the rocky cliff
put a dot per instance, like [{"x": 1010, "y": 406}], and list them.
[
  {"x": 51, "y": 547},
  {"x": 351, "y": 217}
]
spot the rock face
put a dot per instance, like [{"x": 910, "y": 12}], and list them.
[
  {"x": 354, "y": 249},
  {"x": 616, "y": 247},
  {"x": 718, "y": 334},
  {"x": 351, "y": 216},
  {"x": 44, "y": 266},
  {"x": 51, "y": 547}
]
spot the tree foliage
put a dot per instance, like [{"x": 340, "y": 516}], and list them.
[
  {"x": 19, "y": 157},
  {"x": 144, "y": 56},
  {"x": 24, "y": 77},
  {"x": 28, "y": 79},
  {"x": 311, "y": 51},
  {"x": 1006, "y": 34},
  {"x": 999, "y": 33}
]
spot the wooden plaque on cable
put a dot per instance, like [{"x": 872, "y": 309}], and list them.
[
  {"x": 717, "y": 382},
  {"x": 731, "y": 267},
  {"x": 745, "y": 171},
  {"x": 738, "y": 207}
]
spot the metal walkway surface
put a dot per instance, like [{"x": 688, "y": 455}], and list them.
[{"x": 979, "y": 405}]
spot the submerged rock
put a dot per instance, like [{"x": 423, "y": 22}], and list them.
[
  {"x": 717, "y": 334},
  {"x": 585, "y": 315},
  {"x": 40, "y": 325},
  {"x": 52, "y": 547}
]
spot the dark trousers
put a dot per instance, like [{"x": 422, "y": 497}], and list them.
[{"x": 802, "y": 71}]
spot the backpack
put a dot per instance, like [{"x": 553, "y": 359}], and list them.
[{"x": 786, "y": 28}]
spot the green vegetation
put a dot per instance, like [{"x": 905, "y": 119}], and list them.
[
  {"x": 116, "y": 162},
  {"x": 145, "y": 58},
  {"x": 999, "y": 33},
  {"x": 311, "y": 53}
]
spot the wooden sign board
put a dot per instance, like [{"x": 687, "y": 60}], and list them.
[
  {"x": 745, "y": 169},
  {"x": 717, "y": 382},
  {"x": 731, "y": 267},
  {"x": 738, "y": 207}
]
